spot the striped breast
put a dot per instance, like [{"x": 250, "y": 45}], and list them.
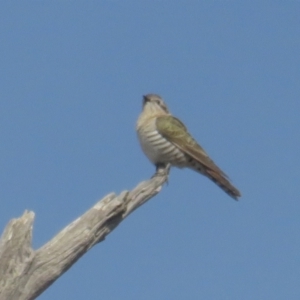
[{"x": 157, "y": 148}]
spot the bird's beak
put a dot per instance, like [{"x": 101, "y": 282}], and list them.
[{"x": 145, "y": 100}]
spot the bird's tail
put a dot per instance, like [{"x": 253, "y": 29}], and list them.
[
  {"x": 215, "y": 174},
  {"x": 223, "y": 183}
]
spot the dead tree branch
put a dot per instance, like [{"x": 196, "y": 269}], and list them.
[{"x": 25, "y": 273}]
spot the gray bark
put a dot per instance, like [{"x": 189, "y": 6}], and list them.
[{"x": 25, "y": 273}]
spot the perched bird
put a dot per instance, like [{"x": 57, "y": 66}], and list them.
[{"x": 165, "y": 139}]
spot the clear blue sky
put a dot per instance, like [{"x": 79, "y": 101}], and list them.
[{"x": 72, "y": 77}]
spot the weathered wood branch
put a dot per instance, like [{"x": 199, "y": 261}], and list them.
[{"x": 25, "y": 273}]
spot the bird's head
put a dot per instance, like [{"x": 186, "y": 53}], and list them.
[{"x": 154, "y": 103}]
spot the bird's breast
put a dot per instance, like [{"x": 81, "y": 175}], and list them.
[{"x": 158, "y": 149}]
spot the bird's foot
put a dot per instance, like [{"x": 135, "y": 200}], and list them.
[{"x": 162, "y": 170}]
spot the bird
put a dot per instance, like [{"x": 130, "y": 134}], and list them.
[{"x": 165, "y": 140}]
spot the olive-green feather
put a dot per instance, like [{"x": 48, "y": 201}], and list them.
[{"x": 175, "y": 132}]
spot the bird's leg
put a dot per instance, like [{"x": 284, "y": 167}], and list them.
[{"x": 162, "y": 169}]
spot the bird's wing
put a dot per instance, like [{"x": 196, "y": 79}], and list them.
[{"x": 175, "y": 132}]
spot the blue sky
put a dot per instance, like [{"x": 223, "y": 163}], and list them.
[{"x": 72, "y": 78}]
